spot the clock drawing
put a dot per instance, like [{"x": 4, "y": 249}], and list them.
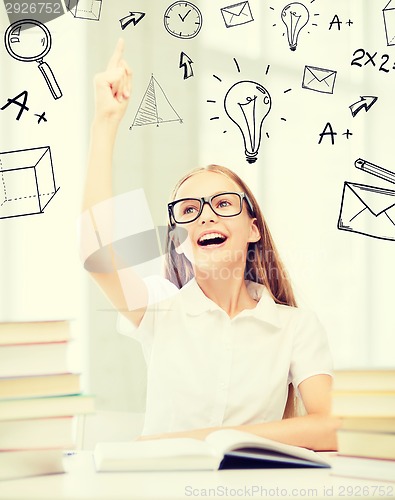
[{"x": 183, "y": 20}]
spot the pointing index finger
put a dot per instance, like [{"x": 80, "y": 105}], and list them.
[{"x": 117, "y": 54}]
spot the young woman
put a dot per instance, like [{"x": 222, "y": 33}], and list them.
[{"x": 225, "y": 344}]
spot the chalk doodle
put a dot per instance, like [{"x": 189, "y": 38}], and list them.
[
  {"x": 27, "y": 181},
  {"x": 20, "y": 101},
  {"x": 85, "y": 9},
  {"x": 155, "y": 108},
  {"x": 365, "y": 102},
  {"x": 29, "y": 40},
  {"x": 41, "y": 117},
  {"x": 183, "y": 19},
  {"x": 328, "y": 131},
  {"x": 237, "y": 14},
  {"x": 296, "y": 17},
  {"x": 22, "y": 105},
  {"x": 369, "y": 210},
  {"x": 369, "y": 58},
  {"x": 389, "y": 22},
  {"x": 319, "y": 79},
  {"x": 338, "y": 23},
  {"x": 213, "y": 101},
  {"x": 186, "y": 64},
  {"x": 347, "y": 133},
  {"x": 133, "y": 18},
  {"x": 247, "y": 103}
]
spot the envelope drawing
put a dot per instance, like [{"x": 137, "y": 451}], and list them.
[
  {"x": 368, "y": 210},
  {"x": 237, "y": 14},
  {"x": 319, "y": 79}
]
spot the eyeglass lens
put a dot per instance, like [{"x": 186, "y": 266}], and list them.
[{"x": 223, "y": 204}]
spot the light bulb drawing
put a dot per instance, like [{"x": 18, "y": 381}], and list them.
[
  {"x": 295, "y": 16},
  {"x": 247, "y": 104}
]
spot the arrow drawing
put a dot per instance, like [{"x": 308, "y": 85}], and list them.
[
  {"x": 186, "y": 63},
  {"x": 132, "y": 18},
  {"x": 366, "y": 102}
]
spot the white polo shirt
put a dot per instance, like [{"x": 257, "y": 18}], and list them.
[{"x": 206, "y": 369}]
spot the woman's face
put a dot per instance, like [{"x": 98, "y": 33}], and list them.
[{"x": 214, "y": 242}]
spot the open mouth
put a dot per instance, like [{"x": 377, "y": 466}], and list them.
[{"x": 211, "y": 239}]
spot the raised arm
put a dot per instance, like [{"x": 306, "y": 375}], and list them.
[{"x": 112, "y": 92}]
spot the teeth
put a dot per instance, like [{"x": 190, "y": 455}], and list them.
[{"x": 211, "y": 236}]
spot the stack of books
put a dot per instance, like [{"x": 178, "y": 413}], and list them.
[
  {"x": 40, "y": 398},
  {"x": 365, "y": 401}
]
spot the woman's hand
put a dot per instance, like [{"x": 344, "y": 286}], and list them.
[{"x": 112, "y": 87}]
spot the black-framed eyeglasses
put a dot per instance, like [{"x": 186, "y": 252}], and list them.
[{"x": 227, "y": 204}]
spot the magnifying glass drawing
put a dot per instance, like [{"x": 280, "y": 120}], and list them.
[{"x": 29, "y": 40}]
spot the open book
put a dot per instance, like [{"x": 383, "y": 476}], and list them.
[{"x": 223, "y": 449}]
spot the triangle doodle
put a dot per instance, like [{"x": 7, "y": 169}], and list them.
[{"x": 155, "y": 108}]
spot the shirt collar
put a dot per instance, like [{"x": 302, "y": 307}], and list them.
[{"x": 266, "y": 310}]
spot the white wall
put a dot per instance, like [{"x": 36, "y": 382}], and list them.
[
  {"x": 346, "y": 277},
  {"x": 41, "y": 275}
]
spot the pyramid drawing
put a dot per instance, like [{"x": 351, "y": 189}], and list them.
[{"x": 155, "y": 108}]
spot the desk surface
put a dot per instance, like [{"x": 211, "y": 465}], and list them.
[{"x": 82, "y": 482}]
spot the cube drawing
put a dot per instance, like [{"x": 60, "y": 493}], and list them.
[
  {"x": 85, "y": 9},
  {"x": 27, "y": 181}
]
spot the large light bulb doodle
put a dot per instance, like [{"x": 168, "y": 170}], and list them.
[
  {"x": 295, "y": 16},
  {"x": 247, "y": 104}
]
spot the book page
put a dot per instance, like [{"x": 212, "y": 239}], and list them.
[{"x": 224, "y": 441}]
